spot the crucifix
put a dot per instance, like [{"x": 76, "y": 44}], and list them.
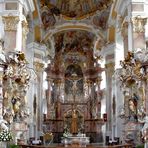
[{"x": 74, "y": 79}]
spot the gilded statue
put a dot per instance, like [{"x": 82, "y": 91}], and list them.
[{"x": 74, "y": 125}]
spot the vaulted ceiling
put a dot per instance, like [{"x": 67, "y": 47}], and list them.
[{"x": 53, "y": 18}]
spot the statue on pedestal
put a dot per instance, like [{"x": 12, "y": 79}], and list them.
[{"x": 74, "y": 124}]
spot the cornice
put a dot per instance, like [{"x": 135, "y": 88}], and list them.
[{"x": 37, "y": 47}]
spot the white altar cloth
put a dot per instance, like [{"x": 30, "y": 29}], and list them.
[{"x": 81, "y": 140}]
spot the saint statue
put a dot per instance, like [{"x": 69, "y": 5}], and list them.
[
  {"x": 74, "y": 126},
  {"x": 133, "y": 110}
]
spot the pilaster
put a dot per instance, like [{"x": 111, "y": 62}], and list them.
[
  {"x": 109, "y": 73},
  {"x": 15, "y": 23},
  {"x": 139, "y": 32},
  {"x": 39, "y": 68}
]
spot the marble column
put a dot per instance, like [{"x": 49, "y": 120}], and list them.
[
  {"x": 15, "y": 25},
  {"x": 88, "y": 85},
  {"x": 109, "y": 73},
  {"x": 39, "y": 68},
  {"x": 99, "y": 95},
  {"x": 124, "y": 33},
  {"x": 1, "y": 70},
  {"x": 146, "y": 104},
  {"x": 58, "y": 86},
  {"x": 139, "y": 32},
  {"x": 10, "y": 28},
  {"x": 1, "y": 92},
  {"x": 146, "y": 91},
  {"x": 48, "y": 97}
]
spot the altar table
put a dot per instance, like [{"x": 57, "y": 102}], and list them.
[{"x": 72, "y": 140}]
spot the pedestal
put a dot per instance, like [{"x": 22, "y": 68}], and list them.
[
  {"x": 3, "y": 144},
  {"x": 146, "y": 145}
]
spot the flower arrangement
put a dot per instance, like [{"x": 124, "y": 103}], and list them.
[
  {"x": 5, "y": 136},
  {"x": 66, "y": 132}
]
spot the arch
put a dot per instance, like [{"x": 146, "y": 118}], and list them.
[{"x": 72, "y": 26}]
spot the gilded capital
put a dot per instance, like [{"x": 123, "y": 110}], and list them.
[
  {"x": 124, "y": 29},
  {"x": 25, "y": 29},
  {"x": 58, "y": 81},
  {"x": 110, "y": 68},
  {"x": 39, "y": 66},
  {"x": 10, "y": 22},
  {"x": 89, "y": 82},
  {"x": 98, "y": 80},
  {"x": 139, "y": 24}
]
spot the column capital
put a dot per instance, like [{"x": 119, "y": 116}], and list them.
[
  {"x": 89, "y": 81},
  {"x": 58, "y": 81},
  {"x": 10, "y": 22},
  {"x": 124, "y": 29},
  {"x": 110, "y": 65},
  {"x": 39, "y": 66},
  {"x": 139, "y": 24}
]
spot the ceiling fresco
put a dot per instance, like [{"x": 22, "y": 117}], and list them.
[
  {"x": 72, "y": 48},
  {"x": 73, "y": 41},
  {"x": 75, "y": 8},
  {"x": 55, "y": 12},
  {"x": 101, "y": 19}
]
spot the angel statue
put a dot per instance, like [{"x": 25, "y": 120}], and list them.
[{"x": 145, "y": 127}]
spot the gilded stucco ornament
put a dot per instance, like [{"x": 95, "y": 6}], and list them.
[
  {"x": 133, "y": 77},
  {"x": 139, "y": 24},
  {"x": 39, "y": 66},
  {"x": 16, "y": 78},
  {"x": 10, "y": 22}
]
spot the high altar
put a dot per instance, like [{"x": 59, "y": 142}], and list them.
[{"x": 74, "y": 95}]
